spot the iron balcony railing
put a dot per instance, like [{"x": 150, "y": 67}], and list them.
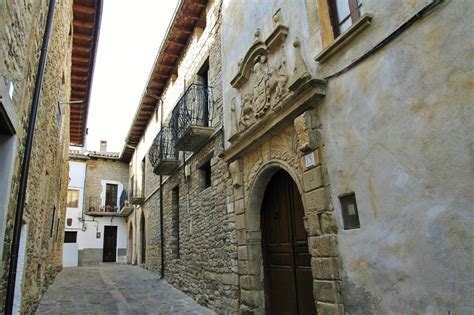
[
  {"x": 95, "y": 205},
  {"x": 163, "y": 153},
  {"x": 194, "y": 108}
]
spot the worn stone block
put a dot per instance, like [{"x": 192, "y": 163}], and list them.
[
  {"x": 312, "y": 225},
  {"x": 252, "y": 298},
  {"x": 249, "y": 267},
  {"x": 251, "y": 282},
  {"x": 325, "y": 268},
  {"x": 312, "y": 179},
  {"x": 328, "y": 223},
  {"x": 324, "y": 246},
  {"x": 315, "y": 201},
  {"x": 230, "y": 278},
  {"x": 329, "y": 309},
  {"x": 327, "y": 291},
  {"x": 239, "y": 206},
  {"x": 240, "y": 222}
]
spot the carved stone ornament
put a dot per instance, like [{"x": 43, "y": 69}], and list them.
[
  {"x": 236, "y": 173},
  {"x": 269, "y": 93}
]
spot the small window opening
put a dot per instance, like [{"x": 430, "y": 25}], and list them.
[
  {"x": 350, "y": 215},
  {"x": 70, "y": 237},
  {"x": 72, "y": 198},
  {"x": 205, "y": 175},
  {"x": 175, "y": 222}
]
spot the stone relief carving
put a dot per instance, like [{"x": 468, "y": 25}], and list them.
[
  {"x": 236, "y": 173},
  {"x": 247, "y": 116},
  {"x": 233, "y": 117},
  {"x": 278, "y": 81},
  {"x": 260, "y": 86}
]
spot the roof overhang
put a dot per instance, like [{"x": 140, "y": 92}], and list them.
[
  {"x": 187, "y": 16},
  {"x": 86, "y": 24}
]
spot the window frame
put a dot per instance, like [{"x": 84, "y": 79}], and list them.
[
  {"x": 106, "y": 203},
  {"x": 354, "y": 15},
  {"x": 77, "y": 200}
]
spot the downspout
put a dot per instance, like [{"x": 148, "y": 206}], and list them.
[
  {"x": 162, "y": 234},
  {"x": 26, "y": 161}
]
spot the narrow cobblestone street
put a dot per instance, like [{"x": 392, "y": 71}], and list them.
[{"x": 114, "y": 289}]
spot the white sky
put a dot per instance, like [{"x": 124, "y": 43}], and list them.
[{"x": 130, "y": 36}]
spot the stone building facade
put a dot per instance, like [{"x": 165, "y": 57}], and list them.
[
  {"x": 332, "y": 182},
  {"x": 95, "y": 217},
  {"x": 41, "y": 230}
]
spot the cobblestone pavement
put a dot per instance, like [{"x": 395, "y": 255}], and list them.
[{"x": 114, "y": 289}]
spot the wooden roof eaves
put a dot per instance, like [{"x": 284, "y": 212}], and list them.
[{"x": 153, "y": 84}]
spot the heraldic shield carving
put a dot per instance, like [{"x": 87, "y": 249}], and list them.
[{"x": 269, "y": 93}]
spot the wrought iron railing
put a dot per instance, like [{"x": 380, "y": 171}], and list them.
[
  {"x": 136, "y": 187},
  {"x": 163, "y": 147},
  {"x": 194, "y": 108},
  {"x": 95, "y": 205}
]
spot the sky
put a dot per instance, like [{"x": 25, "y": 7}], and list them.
[{"x": 130, "y": 36}]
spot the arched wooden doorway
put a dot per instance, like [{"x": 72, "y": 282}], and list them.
[
  {"x": 130, "y": 245},
  {"x": 288, "y": 277},
  {"x": 143, "y": 239}
]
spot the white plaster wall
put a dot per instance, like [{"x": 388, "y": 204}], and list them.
[
  {"x": 398, "y": 132},
  {"x": 77, "y": 173},
  {"x": 88, "y": 238}
]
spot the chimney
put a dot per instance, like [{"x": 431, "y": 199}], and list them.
[{"x": 103, "y": 146}]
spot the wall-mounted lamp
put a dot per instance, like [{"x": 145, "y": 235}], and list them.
[{"x": 350, "y": 215}]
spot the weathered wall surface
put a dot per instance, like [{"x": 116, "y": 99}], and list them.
[
  {"x": 48, "y": 175},
  {"x": 399, "y": 134},
  {"x": 396, "y": 130},
  {"x": 99, "y": 171}
]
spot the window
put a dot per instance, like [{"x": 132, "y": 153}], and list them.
[
  {"x": 343, "y": 14},
  {"x": 205, "y": 175},
  {"x": 70, "y": 237},
  {"x": 110, "y": 197},
  {"x": 175, "y": 222},
  {"x": 73, "y": 198},
  {"x": 350, "y": 215},
  {"x": 202, "y": 79}
]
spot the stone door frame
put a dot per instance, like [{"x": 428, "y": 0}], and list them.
[{"x": 320, "y": 227}]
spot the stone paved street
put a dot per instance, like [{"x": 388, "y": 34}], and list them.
[{"x": 115, "y": 289}]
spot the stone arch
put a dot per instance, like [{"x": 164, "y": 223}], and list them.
[{"x": 320, "y": 227}]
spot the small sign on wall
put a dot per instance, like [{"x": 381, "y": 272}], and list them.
[
  {"x": 97, "y": 235},
  {"x": 309, "y": 160}
]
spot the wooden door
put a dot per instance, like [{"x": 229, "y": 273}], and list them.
[
  {"x": 110, "y": 244},
  {"x": 288, "y": 278}
]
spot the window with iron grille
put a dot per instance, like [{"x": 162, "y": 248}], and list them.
[{"x": 343, "y": 14}]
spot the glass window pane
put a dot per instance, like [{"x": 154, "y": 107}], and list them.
[
  {"x": 344, "y": 26},
  {"x": 343, "y": 9}
]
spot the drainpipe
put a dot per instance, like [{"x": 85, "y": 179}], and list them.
[
  {"x": 26, "y": 162},
  {"x": 162, "y": 235}
]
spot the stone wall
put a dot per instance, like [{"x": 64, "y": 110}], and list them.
[
  {"x": 99, "y": 170},
  {"x": 48, "y": 174},
  {"x": 386, "y": 131}
]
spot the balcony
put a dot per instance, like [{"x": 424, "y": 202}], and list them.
[
  {"x": 125, "y": 206},
  {"x": 163, "y": 153},
  {"x": 191, "y": 120},
  {"x": 136, "y": 190},
  {"x": 95, "y": 208}
]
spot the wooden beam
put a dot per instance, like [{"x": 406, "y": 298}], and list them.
[
  {"x": 84, "y": 49},
  {"x": 79, "y": 78},
  {"x": 84, "y": 24},
  {"x": 176, "y": 42},
  {"x": 83, "y": 9},
  {"x": 80, "y": 36},
  {"x": 172, "y": 54},
  {"x": 80, "y": 69},
  {"x": 183, "y": 29},
  {"x": 80, "y": 59}
]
